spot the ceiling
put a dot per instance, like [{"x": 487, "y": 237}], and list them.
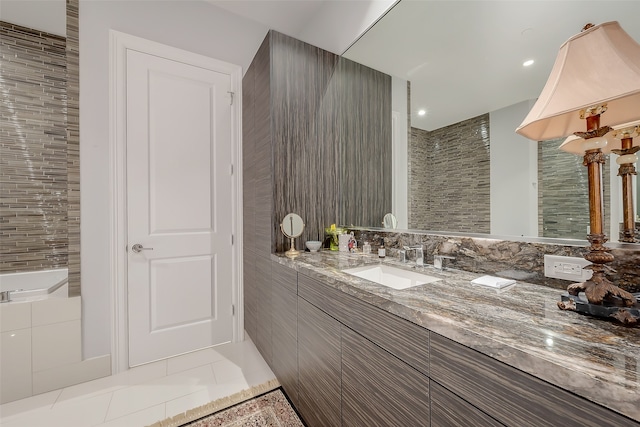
[
  {"x": 464, "y": 58},
  {"x": 332, "y": 25}
]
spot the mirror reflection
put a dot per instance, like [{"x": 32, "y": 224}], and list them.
[
  {"x": 459, "y": 67},
  {"x": 390, "y": 221}
]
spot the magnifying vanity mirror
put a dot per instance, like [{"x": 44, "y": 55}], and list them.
[{"x": 292, "y": 226}]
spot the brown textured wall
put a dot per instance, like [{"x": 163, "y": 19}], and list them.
[
  {"x": 317, "y": 142},
  {"x": 449, "y": 180},
  {"x": 331, "y": 135},
  {"x": 257, "y": 182},
  {"x": 33, "y": 154}
]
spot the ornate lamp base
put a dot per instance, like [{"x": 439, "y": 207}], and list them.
[{"x": 611, "y": 309}]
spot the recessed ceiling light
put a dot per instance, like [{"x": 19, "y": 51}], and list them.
[
  {"x": 527, "y": 62},
  {"x": 422, "y": 112}
]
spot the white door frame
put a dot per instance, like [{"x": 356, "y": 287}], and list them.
[{"x": 119, "y": 43}]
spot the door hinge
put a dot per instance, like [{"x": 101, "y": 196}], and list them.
[
  {"x": 231, "y": 94},
  {"x": 231, "y": 169},
  {"x": 232, "y": 240},
  {"x": 233, "y": 310}
]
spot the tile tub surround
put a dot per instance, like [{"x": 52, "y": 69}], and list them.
[
  {"x": 520, "y": 260},
  {"x": 40, "y": 348},
  {"x": 520, "y": 326}
]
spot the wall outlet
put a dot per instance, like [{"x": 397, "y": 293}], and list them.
[{"x": 567, "y": 268}]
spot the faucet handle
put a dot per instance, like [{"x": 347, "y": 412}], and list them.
[{"x": 439, "y": 261}]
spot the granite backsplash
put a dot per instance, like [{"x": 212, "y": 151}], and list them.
[{"x": 506, "y": 258}]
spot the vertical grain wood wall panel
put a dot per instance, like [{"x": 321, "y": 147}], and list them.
[
  {"x": 263, "y": 152},
  {"x": 363, "y": 123},
  {"x": 331, "y": 130},
  {"x": 257, "y": 190},
  {"x": 305, "y": 173}
]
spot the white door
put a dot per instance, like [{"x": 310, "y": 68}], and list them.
[{"x": 179, "y": 207}]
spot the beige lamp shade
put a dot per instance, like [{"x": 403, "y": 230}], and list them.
[
  {"x": 576, "y": 145},
  {"x": 597, "y": 66}
]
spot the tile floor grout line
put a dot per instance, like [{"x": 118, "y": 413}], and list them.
[{"x": 104, "y": 420}]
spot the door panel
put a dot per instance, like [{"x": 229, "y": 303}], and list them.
[
  {"x": 172, "y": 305},
  {"x": 179, "y": 207}
]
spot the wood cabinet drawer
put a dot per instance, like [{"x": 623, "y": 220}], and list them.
[
  {"x": 509, "y": 395},
  {"x": 448, "y": 410},
  {"x": 405, "y": 340},
  {"x": 319, "y": 381},
  {"x": 378, "y": 389}
]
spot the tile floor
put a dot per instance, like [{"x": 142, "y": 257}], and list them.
[{"x": 145, "y": 394}]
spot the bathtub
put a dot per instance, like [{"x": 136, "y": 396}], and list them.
[{"x": 34, "y": 284}]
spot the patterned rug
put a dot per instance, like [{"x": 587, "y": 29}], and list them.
[
  {"x": 262, "y": 405},
  {"x": 272, "y": 409}
]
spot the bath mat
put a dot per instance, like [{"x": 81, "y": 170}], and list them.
[
  {"x": 218, "y": 406},
  {"x": 271, "y": 409}
]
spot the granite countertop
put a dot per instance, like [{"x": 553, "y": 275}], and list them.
[{"x": 520, "y": 325}]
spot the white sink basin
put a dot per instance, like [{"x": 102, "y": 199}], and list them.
[{"x": 391, "y": 277}]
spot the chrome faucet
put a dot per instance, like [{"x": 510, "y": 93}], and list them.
[
  {"x": 419, "y": 254},
  {"x": 439, "y": 261},
  {"x": 5, "y": 296}
]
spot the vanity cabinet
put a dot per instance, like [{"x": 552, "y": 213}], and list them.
[
  {"x": 345, "y": 362},
  {"x": 284, "y": 325},
  {"x": 405, "y": 340},
  {"x": 319, "y": 364},
  {"x": 448, "y": 410},
  {"x": 378, "y": 389},
  {"x": 509, "y": 395}
]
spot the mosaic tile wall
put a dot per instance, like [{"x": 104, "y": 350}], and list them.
[
  {"x": 563, "y": 193},
  {"x": 449, "y": 177},
  {"x": 33, "y": 152}
]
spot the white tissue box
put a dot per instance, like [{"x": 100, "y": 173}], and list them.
[{"x": 493, "y": 282}]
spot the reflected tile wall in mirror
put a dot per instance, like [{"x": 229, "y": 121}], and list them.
[
  {"x": 563, "y": 193},
  {"x": 449, "y": 177}
]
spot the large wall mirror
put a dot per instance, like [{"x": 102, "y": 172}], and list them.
[{"x": 460, "y": 89}]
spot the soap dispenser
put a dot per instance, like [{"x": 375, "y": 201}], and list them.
[{"x": 381, "y": 251}]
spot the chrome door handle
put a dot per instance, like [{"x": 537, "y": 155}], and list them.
[{"x": 137, "y": 248}]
